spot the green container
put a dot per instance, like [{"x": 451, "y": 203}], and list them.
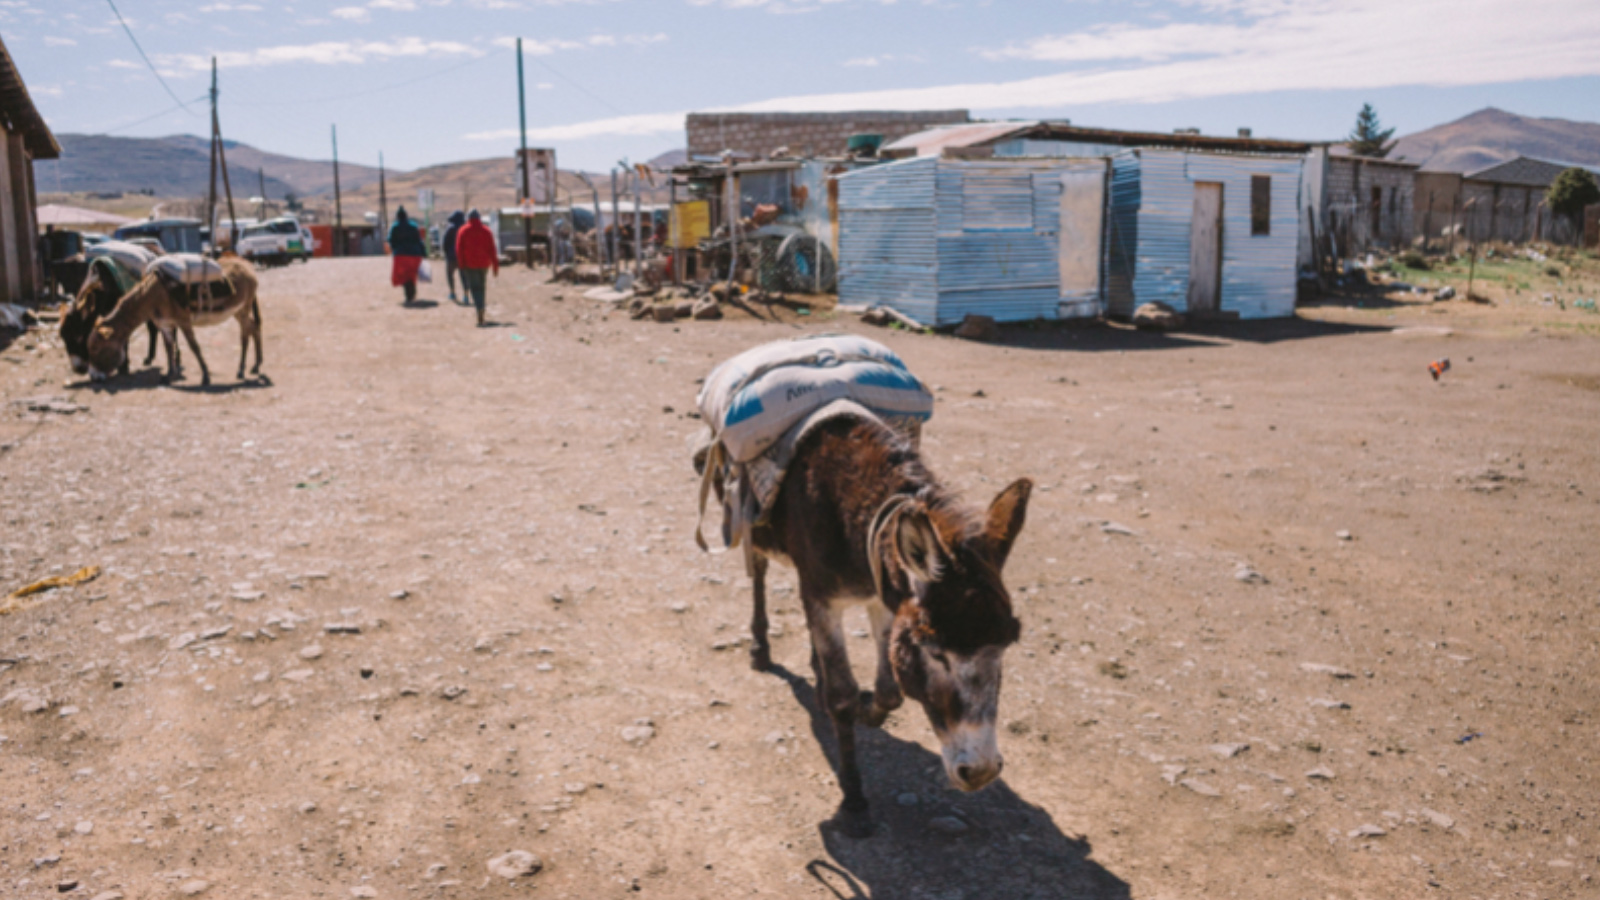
[{"x": 864, "y": 143}]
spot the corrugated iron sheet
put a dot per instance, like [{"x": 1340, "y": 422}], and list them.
[
  {"x": 1152, "y": 203},
  {"x": 938, "y": 239},
  {"x": 933, "y": 141}
]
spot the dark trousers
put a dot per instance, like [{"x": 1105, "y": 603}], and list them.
[
  {"x": 474, "y": 281},
  {"x": 450, "y": 276}
]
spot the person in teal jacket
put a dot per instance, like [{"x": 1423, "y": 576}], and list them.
[{"x": 405, "y": 242}]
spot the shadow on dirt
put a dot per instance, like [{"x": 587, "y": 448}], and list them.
[
  {"x": 150, "y": 379},
  {"x": 420, "y": 304},
  {"x": 1013, "y": 849},
  {"x": 1204, "y": 334}
]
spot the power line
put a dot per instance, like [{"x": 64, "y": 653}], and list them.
[
  {"x": 581, "y": 89},
  {"x": 376, "y": 90},
  {"x": 146, "y": 58},
  {"x": 166, "y": 112}
]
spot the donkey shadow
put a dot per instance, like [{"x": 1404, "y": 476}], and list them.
[{"x": 1012, "y": 848}]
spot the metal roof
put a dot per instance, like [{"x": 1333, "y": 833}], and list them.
[
  {"x": 19, "y": 113},
  {"x": 1526, "y": 171},
  {"x": 933, "y": 141}
]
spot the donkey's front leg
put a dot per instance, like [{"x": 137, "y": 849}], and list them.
[
  {"x": 885, "y": 696},
  {"x": 169, "y": 343},
  {"x": 188, "y": 336},
  {"x": 840, "y": 697},
  {"x": 760, "y": 646}
]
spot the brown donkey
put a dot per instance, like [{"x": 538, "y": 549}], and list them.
[
  {"x": 174, "y": 307},
  {"x": 94, "y": 302},
  {"x": 862, "y": 520}
]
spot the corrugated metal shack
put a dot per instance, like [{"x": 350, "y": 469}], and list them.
[
  {"x": 1206, "y": 233},
  {"x": 938, "y": 238}
]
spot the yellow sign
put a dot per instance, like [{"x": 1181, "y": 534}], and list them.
[{"x": 691, "y": 223}]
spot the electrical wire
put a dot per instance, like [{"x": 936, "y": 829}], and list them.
[
  {"x": 580, "y": 88},
  {"x": 137, "y": 122},
  {"x": 377, "y": 90},
  {"x": 147, "y": 58}
]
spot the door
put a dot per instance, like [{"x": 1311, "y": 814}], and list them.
[
  {"x": 1079, "y": 253},
  {"x": 1205, "y": 248}
]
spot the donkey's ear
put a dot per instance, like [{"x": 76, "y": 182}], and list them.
[
  {"x": 921, "y": 551},
  {"x": 105, "y": 333},
  {"x": 1004, "y": 522}
]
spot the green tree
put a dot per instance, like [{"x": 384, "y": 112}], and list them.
[
  {"x": 1369, "y": 137},
  {"x": 1571, "y": 192}
]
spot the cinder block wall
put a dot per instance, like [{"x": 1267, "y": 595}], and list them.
[{"x": 815, "y": 134}]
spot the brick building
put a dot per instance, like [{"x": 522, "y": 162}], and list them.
[
  {"x": 1369, "y": 202},
  {"x": 757, "y": 135}
]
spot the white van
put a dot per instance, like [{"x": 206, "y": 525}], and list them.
[{"x": 275, "y": 242}]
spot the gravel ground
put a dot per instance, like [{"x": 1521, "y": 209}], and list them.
[{"x": 1298, "y": 621}]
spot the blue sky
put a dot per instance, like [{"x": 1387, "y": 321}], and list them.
[{"x": 430, "y": 81}]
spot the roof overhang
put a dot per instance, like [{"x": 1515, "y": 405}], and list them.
[{"x": 20, "y": 115}]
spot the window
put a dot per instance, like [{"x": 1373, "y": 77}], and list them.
[{"x": 1260, "y": 204}]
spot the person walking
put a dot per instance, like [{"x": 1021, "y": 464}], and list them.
[
  {"x": 405, "y": 242},
  {"x": 457, "y": 219},
  {"x": 476, "y": 253}
]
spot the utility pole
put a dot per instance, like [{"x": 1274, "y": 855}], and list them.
[
  {"x": 219, "y": 159},
  {"x": 338, "y": 209},
  {"x": 527, "y": 193},
  {"x": 383, "y": 196},
  {"x": 261, "y": 177}
]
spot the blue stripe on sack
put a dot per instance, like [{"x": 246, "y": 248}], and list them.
[{"x": 745, "y": 406}]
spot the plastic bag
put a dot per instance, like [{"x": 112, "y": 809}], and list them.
[{"x": 425, "y": 272}]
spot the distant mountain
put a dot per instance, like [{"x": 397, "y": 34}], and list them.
[
  {"x": 668, "y": 160},
  {"x": 180, "y": 166},
  {"x": 1491, "y": 135}
]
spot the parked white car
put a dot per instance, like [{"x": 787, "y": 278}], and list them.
[{"x": 276, "y": 242}]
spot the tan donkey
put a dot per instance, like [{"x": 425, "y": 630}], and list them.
[{"x": 173, "y": 305}]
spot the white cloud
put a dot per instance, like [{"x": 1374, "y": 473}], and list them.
[
  {"x": 53, "y": 41},
  {"x": 1278, "y": 45},
  {"x": 397, "y": 5},
  {"x": 351, "y": 13},
  {"x": 324, "y": 53},
  {"x": 229, "y": 7}
]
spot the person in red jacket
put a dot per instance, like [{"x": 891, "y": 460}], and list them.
[{"x": 476, "y": 254}]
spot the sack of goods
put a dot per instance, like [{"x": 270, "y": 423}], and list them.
[
  {"x": 752, "y": 400},
  {"x": 131, "y": 257},
  {"x": 187, "y": 268}
]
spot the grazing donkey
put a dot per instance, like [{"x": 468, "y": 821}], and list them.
[
  {"x": 862, "y": 520},
  {"x": 172, "y": 307},
  {"x": 96, "y": 299}
]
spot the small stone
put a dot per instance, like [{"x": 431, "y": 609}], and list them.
[
  {"x": 1199, "y": 787},
  {"x": 1248, "y": 575},
  {"x": 298, "y": 675},
  {"x": 515, "y": 864},
  {"x": 341, "y": 628},
  {"x": 362, "y": 890},
  {"x": 107, "y": 895},
  {"x": 1438, "y": 818},
  {"x": 260, "y": 700},
  {"x": 181, "y": 641},
  {"x": 400, "y": 595},
  {"x": 1325, "y": 703},
  {"x": 1229, "y": 751},
  {"x": 1320, "y": 773},
  {"x": 193, "y": 888},
  {"x": 576, "y": 787},
  {"x": 85, "y": 827},
  {"x": 949, "y": 825},
  {"x": 1325, "y": 669},
  {"x": 67, "y": 887},
  {"x": 678, "y": 606},
  {"x": 1116, "y": 528},
  {"x": 1342, "y": 534},
  {"x": 1368, "y": 830},
  {"x": 312, "y": 652},
  {"x": 907, "y": 799},
  {"x": 638, "y": 734},
  {"x": 452, "y": 692},
  {"x": 68, "y": 711},
  {"x": 42, "y": 861},
  {"x": 248, "y": 596},
  {"x": 978, "y": 328}
]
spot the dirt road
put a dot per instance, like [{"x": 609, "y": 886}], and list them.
[{"x": 1298, "y": 621}]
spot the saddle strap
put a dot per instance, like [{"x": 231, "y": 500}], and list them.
[{"x": 890, "y": 511}]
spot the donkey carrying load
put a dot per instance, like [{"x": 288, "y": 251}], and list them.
[
  {"x": 814, "y": 459},
  {"x": 183, "y": 291},
  {"x": 114, "y": 268}
]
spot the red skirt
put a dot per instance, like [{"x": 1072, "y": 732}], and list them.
[{"x": 405, "y": 270}]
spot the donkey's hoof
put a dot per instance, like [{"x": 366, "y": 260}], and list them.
[
  {"x": 852, "y": 823},
  {"x": 760, "y": 659}
]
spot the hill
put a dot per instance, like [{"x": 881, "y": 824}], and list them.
[
  {"x": 180, "y": 166},
  {"x": 1493, "y": 135}
]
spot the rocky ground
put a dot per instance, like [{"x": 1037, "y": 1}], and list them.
[{"x": 1298, "y": 620}]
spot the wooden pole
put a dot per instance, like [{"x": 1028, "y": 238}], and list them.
[
  {"x": 222, "y": 163},
  {"x": 383, "y": 196},
  {"x": 261, "y": 183},
  {"x": 614, "y": 243},
  {"x": 338, "y": 208},
  {"x": 211, "y": 193},
  {"x": 527, "y": 193}
]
